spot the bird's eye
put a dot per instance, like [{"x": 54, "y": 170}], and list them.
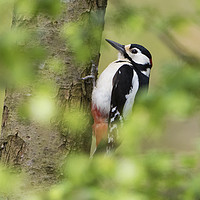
[{"x": 134, "y": 51}]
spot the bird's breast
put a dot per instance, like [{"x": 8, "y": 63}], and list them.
[{"x": 101, "y": 95}]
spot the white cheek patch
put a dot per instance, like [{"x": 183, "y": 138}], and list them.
[{"x": 139, "y": 57}]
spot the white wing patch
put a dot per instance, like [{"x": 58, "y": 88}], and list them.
[
  {"x": 127, "y": 110},
  {"x": 113, "y": 109}
]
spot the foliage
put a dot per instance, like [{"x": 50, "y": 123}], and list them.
[
  {"x": 10, "y": 182},
  {"x": 132, "y": 172},
  {"x": 83, "y": 42}
]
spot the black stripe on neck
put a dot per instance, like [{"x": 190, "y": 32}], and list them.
[
  {"x": 120, "y": 61},
  {"x": 136, "y": 66},
  {"x": 128, "y": 57}
]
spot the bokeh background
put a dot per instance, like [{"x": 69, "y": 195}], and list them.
[{"x": 159, "y": 155}]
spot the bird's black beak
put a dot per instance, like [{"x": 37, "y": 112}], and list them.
[{"x": 117, "y": 46}]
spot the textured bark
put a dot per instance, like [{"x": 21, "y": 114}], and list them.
[{"x": 38, "y": 150}]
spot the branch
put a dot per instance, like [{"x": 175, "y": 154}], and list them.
[{"x": 178, "y": 49}]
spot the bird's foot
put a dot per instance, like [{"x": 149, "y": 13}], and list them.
[
  {"x": 87, "y": 77},
  {"x": 93, "y": 74}
]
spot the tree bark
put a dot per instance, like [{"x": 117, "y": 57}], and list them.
[{"x": 39, "y": 149}]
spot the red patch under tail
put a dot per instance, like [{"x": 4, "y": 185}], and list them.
[{"x": 100, "y": 126}]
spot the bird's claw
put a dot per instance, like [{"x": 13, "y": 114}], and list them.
[
  {"x": 94, "y": 70},
  {"x": 88, "y": 77}
]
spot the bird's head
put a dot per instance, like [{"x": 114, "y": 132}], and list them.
[{"x": 135, "y": 53}]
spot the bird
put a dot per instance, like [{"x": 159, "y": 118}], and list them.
[{"x": 115, "y": 91}]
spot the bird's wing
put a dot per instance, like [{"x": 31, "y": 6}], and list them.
[{"x": 125, "y": 87}]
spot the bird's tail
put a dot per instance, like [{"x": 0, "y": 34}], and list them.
[{"x": 100, "y": 128}]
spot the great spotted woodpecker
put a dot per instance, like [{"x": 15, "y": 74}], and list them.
[{"x": 115, "y": 91}]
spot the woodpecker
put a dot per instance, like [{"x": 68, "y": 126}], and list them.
[{"x": 115, "y": 91}]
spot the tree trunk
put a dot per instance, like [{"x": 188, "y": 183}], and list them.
[{"x": 39, "y": 149}]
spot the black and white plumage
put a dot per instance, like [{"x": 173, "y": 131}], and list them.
[{"x": 116, "y": 89}]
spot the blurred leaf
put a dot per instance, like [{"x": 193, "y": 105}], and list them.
[
  {"x": 39, "y": 105},
  {"x": 75, "y": 37},
  {"x": 129, "y": 173},
  {"x": 42, "y": 108},
  {"x": 6, "y": 8},
  {"x": 30, "y": 8},
  {"x": 18, "y": 62},
  {"x": 77, "y": 169},
  {"x": 84, "y": 36},
  {"x": 189, "y": 161},
  {"x": 55, "y": 65},
  {"x": 10, "y": 182},
  {"x": 179, "y": 104},
  {"x": 75, "y": 120}
]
